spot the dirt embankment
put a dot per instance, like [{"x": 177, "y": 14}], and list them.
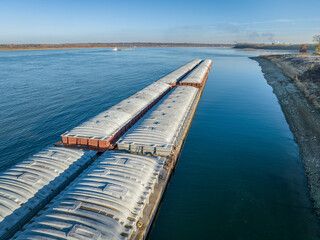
[
  {"x": 305, "y": 72},
  {"x": 301, "y": 114}
]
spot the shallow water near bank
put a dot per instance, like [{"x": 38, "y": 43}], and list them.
[{"x": 239, "y": 175}]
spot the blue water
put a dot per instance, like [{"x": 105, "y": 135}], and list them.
[{"x": 239, "y": 175}]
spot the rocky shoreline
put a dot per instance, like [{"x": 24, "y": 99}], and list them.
[{"x": 303, "y": 119}]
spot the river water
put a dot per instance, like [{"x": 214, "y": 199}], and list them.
[{"x": 239, "y": 175}]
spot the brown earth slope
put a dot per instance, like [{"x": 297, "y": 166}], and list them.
[{"x": 304, "y": 70}]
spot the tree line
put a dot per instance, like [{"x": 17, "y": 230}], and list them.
[
  {"x": 106, "y": 45},
  {"x": 316, "y": 39}
]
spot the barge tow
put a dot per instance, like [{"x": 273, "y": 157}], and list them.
[{"x": 106, "y": 178}]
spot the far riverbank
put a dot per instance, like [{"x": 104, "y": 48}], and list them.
[
  {"x": 20, "y": 47},
  {"x": 286, "y": 47}
]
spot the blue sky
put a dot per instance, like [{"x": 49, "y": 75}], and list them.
[{"x": 224, "y": 21}]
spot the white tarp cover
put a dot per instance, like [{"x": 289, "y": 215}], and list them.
[
  {"x": 197, "y": 75},
  {"x": 31, "y": 182},
  {"x": 161, "y": 125},
  {"x": 104, "y": 202},
  {"x": 174, "y": 76},
  {"x": 109, "y": 122}
]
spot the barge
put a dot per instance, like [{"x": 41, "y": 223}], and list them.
[
  {"x": 102, "y": 131},
  {"x": 116, "y": 188},
  {"x": 28, "y": 186}
]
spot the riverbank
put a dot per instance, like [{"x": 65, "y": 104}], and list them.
[
  {"x": 21, "y": 47},
  {"x": 301, "y": 112},
  {"x": 287, "y": 47},
  {"x": 304, "y": 70}
]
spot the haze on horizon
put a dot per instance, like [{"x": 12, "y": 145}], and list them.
[{"x": 43, "y": 21}]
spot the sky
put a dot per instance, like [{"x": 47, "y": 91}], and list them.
[{"x": 201, "y": 21}]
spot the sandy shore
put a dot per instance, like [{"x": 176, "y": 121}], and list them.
[{"x": 304, "y": 121}]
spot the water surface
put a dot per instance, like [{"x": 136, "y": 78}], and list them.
[{"x": 239, "y": 175}]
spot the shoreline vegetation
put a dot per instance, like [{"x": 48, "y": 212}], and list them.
[
  {"x": 310, "y": 47},
  {"x": 18, "y": 47},
  {"x": 247, "y": 46},
  {"x": 295, "y": 79}
]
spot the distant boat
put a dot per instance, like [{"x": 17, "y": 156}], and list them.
[{"x": 122, "y": 49}]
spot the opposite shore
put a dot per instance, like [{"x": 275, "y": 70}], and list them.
[
  {"x": 295, "y": 80},
  {"x": 246, "y": 46},
  {"x": 19, "y": 47}
]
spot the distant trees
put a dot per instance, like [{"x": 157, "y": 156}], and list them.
[
  {"x": 316, "y": 39},
  {"x": 105, "y": 45}
]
